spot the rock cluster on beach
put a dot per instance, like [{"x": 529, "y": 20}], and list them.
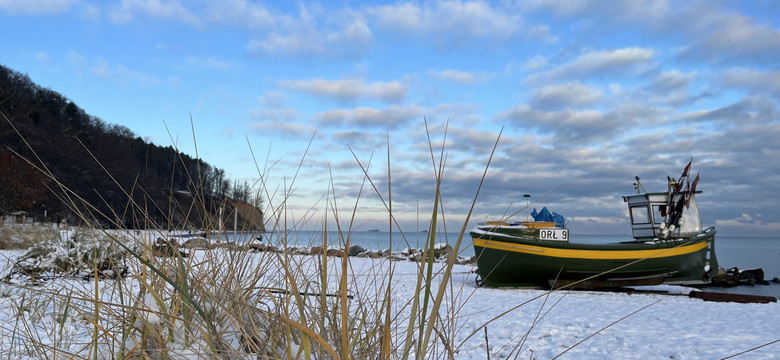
[{"x": 440, "y": 252}]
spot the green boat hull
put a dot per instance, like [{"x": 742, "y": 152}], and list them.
[{"x": 516, "y": 257}]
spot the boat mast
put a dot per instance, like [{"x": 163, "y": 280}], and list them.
[{"x": 527, "y": 205}]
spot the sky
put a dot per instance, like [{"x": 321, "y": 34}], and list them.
[{"x": 585, "y": 95}]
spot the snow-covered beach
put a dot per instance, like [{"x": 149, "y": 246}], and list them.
[{"x": 484, "y": 322}]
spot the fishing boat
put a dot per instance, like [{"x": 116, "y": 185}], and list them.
[{"x": 669, "y": 246}]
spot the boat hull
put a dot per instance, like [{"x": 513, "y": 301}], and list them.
[{"x": 518, "y": 259}]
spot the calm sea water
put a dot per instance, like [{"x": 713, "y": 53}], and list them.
[{"x": 741, "y": 252}]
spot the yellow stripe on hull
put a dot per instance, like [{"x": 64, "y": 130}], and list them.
[{"x": 591, "y": 254}]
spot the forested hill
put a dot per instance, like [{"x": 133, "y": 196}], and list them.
[{"x": 169, "y": 189}]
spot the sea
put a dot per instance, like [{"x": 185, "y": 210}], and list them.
[{"x": 742, "y": 252}]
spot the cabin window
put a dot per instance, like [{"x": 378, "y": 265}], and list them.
[
  {"x": 659, "y": 211},
  {"x": 640, "y": 215}
]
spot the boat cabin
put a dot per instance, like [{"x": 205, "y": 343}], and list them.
[{"x": 650, "y": 216}]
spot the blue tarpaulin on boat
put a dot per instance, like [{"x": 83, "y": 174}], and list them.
[{"x": 546, "y": 215}]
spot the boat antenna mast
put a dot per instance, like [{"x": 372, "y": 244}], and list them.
[
  {"x": 527, "y": 205},
  {"x": 638, "y": 185}
]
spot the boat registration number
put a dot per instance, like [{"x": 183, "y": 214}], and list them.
[{"x": 554, "y": 234}]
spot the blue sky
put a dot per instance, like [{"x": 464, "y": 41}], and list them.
[{"x": 588, "y": 94}]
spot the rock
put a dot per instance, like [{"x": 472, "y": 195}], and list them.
[
  {"x": 356, "y": 250},
  {"x": 757, "y": 274},
  {"x": 316, "y": 250},
  {"x": 336, "y": 252},
  {"x": 442, "y": 249},
  {"x": 197, "y": 243},
  {"x": 466, "y": 261},
  {"x": 163, "y": 247},
  {"x": 776, "y": 280},
  {"x": 257, "y": 247}
]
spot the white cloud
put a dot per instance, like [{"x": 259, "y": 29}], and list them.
[
  {"x": 43, "y": 56},
  {"x": 599, "y": 63},
  {"x": 209, "y": 63},
  {"x": 281, "y": 115},
  {"x": 348, "y": 90},
  {"x": 572, "y": 94},
  {"x": 718, "y": 36},
  {"x": 669, "y": 87},
  {"x": 673, "y": 80},
  {"x": 388, "y": 118},
  {"x": 169, "y": 10},
  {"x": 617, "y": 11},
  {"x": 755, "y": 109},
  {"x": 461, "y": 77},
  {"x": 272, "y": 98},
  {"x": 756, "y": 81},
  {"x": 452, "y": 23},
  {"x": 75, "y": 58},
  {"x": 573, "y": 128},
  {"x": 35, "y": 6},
  {"x": 283, "y": 128},
  {"x": 352, "y": 39},
  {"x": 239, "y": 12},
  {"x": 122, "y": 75}
]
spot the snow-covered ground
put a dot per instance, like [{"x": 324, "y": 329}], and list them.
[{"x": 520, "y": 323}]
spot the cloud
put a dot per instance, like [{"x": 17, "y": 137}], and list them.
[
  {"x": 365, "y": 117},
  {"x": 670, "y": 87},
  {"x": 753, "y": 109},
  {"x": 207, "y": 63},
  {"x": 628, "y": 12},
  {"x": 352, "y": 39},
  {"x": 349, "y": 90},
  {"x": 127, "y": 10},
  {"x": 598, "y": 64},
  {"x": 673, "y": 80},
  {"x": 122, "y": 75},
  {"x": 35, "y": 6},
  {"x": 755, "y": 81},
  {"x": 250, "y": 15},
  {"x": 454, "y": 23},
  {"x": 575, "y": 128},
  {"x": 275, "y": 114},
  {"x": 42, "y": 56},
  {"x": 727, "y": 37},
  {"x": 572, "y": 94},
  {"x": 461, "y": 77},
  {"x": 272, "y": 98},
  {"x": 283, "y": 128}
]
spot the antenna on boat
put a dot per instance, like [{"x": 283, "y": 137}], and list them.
[
  {"x": 638, "y": 185},
  {"x": 527, "y": 204}
]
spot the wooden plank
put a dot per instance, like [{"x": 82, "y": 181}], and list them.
[{"x": 726, "y": 297}]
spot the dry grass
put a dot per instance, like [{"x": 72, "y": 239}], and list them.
[
  {"x": 221, "y": 303},
  {"x": 14, "y": 237}
]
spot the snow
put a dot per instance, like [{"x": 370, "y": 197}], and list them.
[{"x": 522, "y": 323}]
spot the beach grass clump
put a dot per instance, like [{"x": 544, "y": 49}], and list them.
[{"x": 81, "y": 253}]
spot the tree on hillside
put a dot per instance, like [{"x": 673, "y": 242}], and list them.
[{"x": 22, "y": 186}]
